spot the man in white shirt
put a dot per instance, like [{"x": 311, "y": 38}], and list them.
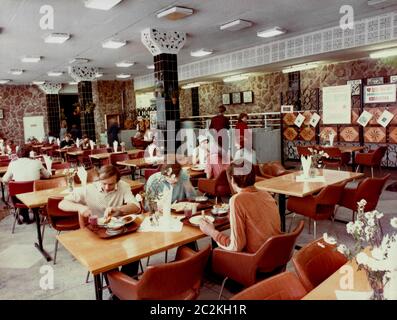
[
  {"x": 201, "y": 153},
  {"x": 25, "y": 169}
]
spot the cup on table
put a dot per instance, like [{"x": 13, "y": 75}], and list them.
[
  {"x": 188, "y": 211},
  {"x": 194, "y": 208},
  {"x": 93, "y": 220}
]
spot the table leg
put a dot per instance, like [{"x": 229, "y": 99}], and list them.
[
  {"x": 353, "y": 161},
  {"x": 98, "y": 287},
  {"x": 133, "y": 171},
  {"x": 2, "y": 192},
  {"x": 39, "y": 245},
  {"x": 281, "y": 209}
]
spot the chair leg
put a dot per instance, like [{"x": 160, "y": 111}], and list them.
[
  {"x": 292, "y": 221},
  {"x": 56, "y": 249},
  {"x": 87, "y": 277},
  {"x": 140, "y": 265},
  {"x": 354, "y": 216},
  {"x": 357, "y": 168},
  {"x": 16, "y": 214},
  {"x": 372, "y": 171},
  {"x": 43, "y": 229},
  {"x": 314, "y": 229},
  {"x": 166, "y": 256},
  {"x": 147, "y": 262},
  {"x": 310, "y": 225},
  {"x": 222, "y": 287}
]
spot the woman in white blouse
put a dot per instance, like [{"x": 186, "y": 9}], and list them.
[{"x": 201, "y": 153}]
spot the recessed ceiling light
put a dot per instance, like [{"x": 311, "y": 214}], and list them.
[
  {"x": 16, "y": 72},
  {"x": 123, "y": 76},
  {"x": 101, "y": 4},
  {"x": 56, "y": 38},
  {"x": 300, "y": 67},
  {"x": 237, "y": 77},
  {"x": 113, "y": 44},
  {"x": 236, "y": 25},
  {"x": 201, "y": 53},
  {"x": 54, "y": 73},
  {"x": 194, "y": 84},
  {"x": 4, "y": 81},
  {"x": 98, "y": 75},
  {"x": 125, "y": 64},
  {"x": 78, "y": 61},
  {"x": 38, "y": 82},
  {"x": 268, "y": 33},
  {"x": 175, "y": 13},
  {"x": 150, "y": 67},
  {"x": 73, "y": 83},
  {"x": 31, "y": 59},
  {"x": 384, "y": 53}
]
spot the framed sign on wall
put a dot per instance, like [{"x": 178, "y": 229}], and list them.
[
  {"x": 111, "y": 119},
  {"x": 236, "y": 97},
  {"x": 226, "y": 98},
  {"x": 248, "y": 97}
]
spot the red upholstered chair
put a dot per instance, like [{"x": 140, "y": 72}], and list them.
[
  {"x": 303, "y": 151},
  {"x": 178, "y": 280},
  {"x": 337, "y": 159},
  {"x": 15, "y": 188},
  {"x": 369, "y": 189},
  {"x": 218, "y": 187},
  {"x": 84, "y": 159},
  {"x": 122, "y": 156},
  {"x": 61, "y": 165},
  {"x": 61, "y": 220},
  {"x": 314, "y": 263},
  {"x": 247, "y": 268},
  {"x": 371, "y": 159},
  {"x": 149, "y": 172},
  {"x": 137, "y": 155},
  {"x": 283, "y": 286},
  {"x": 139, "y": 143},
  {"x": 99, "y": 150},
  {"x": 6, "y": 157},
  {"x": 5, "y": 162},
  {"x": 272, "y": 169},
  {"x": 317, "y": 207}
]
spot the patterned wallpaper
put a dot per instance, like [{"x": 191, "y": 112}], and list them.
[
  {"x": 185, "y": 102},
  {"x": 107, "y": 96},
  {"x": 17, "y": 102}
]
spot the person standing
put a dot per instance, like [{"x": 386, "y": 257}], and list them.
[
  {"x": 113, "y": 132},
  {"x": 64, "y": 129},
  {"x": 241, "y": 129},
  {"x": 219, "y": 126}
]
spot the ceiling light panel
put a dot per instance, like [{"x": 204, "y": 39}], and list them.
[
  {"x": 175, "y": 13},
  {"x": 124, "y": 64},
  {"x": 300, "y": 67},
  {"x": 113, "y": 44},
  {"x": 201, "y": 53},
  {"x": 236, "y": 25},
  {"x": 384, "y": 53},
  {"x": 16, "y": 72},
  {"x": 54, "y": 73},
  {"x": 101, "y": 4},
  {"x": 78, "y": 61},
  {"x": 273, "y": 32},
  {"x": 123, "y": 76},
  {"x": 57, "y": 38},
  {"x": 4, "y": 81},
  {"x": 237, "y": 77},
  {"x": 29, "y": 59},
  {"x": 38, "y": 82}
]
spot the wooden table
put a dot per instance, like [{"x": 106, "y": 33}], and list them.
[
  {"x": 105, "y": 155},
  {"x": 326, "y": 290},
  {"x": 101, "y": 255},
  {"x": 287, "y": 185}
]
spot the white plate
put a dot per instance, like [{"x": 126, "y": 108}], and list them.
[
  {"x": 200, "y": 199},
  {"x": 101, "y": 221},
  {"x": 219, "y": 211},
  {"x": 197, "y": 219},
  {"x": 112, "y": 232}
]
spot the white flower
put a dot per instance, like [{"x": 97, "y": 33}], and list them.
[
  {"x": 362, "y": 203},
  {"x": 138, "y": 197},
  {"x": 379, "y": 215},
  {"x": 350, "y": 228},
  {"x": 393, "y": 222},
  {"x": 328, "y": 239},
  {"x": 362, "y": 258},
  {"x": 369, "y": 215},
  {"x": 326, "y": 155},
  {"x": 342, "y": 249},
  {"x": 371, "y": 222}
]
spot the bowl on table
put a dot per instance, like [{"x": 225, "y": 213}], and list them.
[
  {"x": 220, "y": 209},
  {"x": 200, "y": 199}
]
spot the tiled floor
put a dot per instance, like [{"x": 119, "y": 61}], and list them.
[{"x": 24, "y": 274}]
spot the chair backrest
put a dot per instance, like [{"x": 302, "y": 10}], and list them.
[
  {"x": 149, "y": 172},
  {"x": 283, "y": 286},
  {"x": 222, "y": 186},
  {"x": 378, "y": 155},
  {"x": 5, "y": 162},
  {"x": 60, "y": 165},
  {"x": 333, "y": 152},
  {"x": 303, "y": 151},
  {"x": 99, "y": 150},
  {"x": 55, "y": 214},
  {"x": 137, "y": 155},
  {"x": 17, "y": 187},
  {"x": 331, "y": 194},
  {"x": 115, "y": 157},
  {"x": 92, "y": 175},
  {"x": 314, "y": 263},
  {"x": 49, "y": 184},
  {"x": 170, "y": 279},
  {"x": 370, "y": 189}
]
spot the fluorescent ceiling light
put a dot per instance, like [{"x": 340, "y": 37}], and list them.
[
  {"x": 194, "y": 84},
  {"x": 38, "y": 82},
  {"x": 271, "y": 32},
  {"x": 56, "y": 38},
  {"x": 73, "y": 83},
  {"x": 113, "y": 44},
  {"x": 384, "y": 53},
  {"x": 31, "y": 59},
  {"x": 16, "y": 72},
  {"x": 150, "y": 67},
  {"x": 237, "y": 77},
  {"x": 201, "y": 53},
  {"x": 236, "y": 25},
  {"x": 101, "y": 4},
  {"x": 78, "y": 61},
  {"x": 300, "y": 67},
  {"x": 54, "y": 73},
  {"x": 4, "y": 81},
  {"x": 125, "y": 64},
  {"x": 175, "y": 13},
  {"x": 123, "y": 76},
  {"x": 98, "y": 75}
]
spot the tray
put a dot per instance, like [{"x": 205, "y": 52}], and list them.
[
  {"x": 219, "y": 222},
  {"x": 101, "y": 231},
  {"x": 201, "y": 205}
]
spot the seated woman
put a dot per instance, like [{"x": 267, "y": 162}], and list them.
[
  {"x": 254, "y": 215},
  {"x": 201, "y": 152},
  {"x": 67, "y": 141},
  {"x": 171, "y": 174},
  {"x": 218, "y": 160},
  {"x": 85, "y": 142}
]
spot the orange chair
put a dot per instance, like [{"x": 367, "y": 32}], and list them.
[
  {"x": 272, "y": 169},
  {"x": 314, "y": 263},
  {"x": 15, "y": 188},
  {"x": 303, "y": 151},
  {"x": 317, "y": 207},
  {"x": 137, "y": 155},
  {"x": 122, "y": 156},
  {"x": 337, "y": 159},
  {"x": 61, "y": 220},
  {"x": 218, "y": 187},
  {"x": 371, "y": 159},
  {"x": 247, "y": 268},
  {"x": 178, "y": 280},
  {"x": 283, "y": 286},
  {"x": 369, "y": 189},
  {"x": 139, "y": 143}
]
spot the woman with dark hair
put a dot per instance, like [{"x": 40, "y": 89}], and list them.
[
  {"x": 254, "y": 215},
  {"x": 240, "y": 130}
]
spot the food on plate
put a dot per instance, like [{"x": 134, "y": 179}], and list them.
[
  {"x": 200, "y": 199},
  {"x": 180, "y": 206}
]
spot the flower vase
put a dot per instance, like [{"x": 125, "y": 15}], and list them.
[{"x": 70, "y": 183}]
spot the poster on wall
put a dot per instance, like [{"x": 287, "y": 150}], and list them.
[
  {"x": 355, "y": 86},
  {"x": 380, "y": 94},
  {"x": 393, "y": 79},
  {"x": 315, "y": 118},
  {"x": 364, "y": 118},
  {"x": 287, "y": 109},
  {"x": 385, "y": 118},
  {"x": 299, "y": 120},
  {"x": 375, "y": 81},
  {"x": 337, "y": 105},
  {"x": 153, "y": 120}
]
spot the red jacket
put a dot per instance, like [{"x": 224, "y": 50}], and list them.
[{"x": 219, "y": 122}]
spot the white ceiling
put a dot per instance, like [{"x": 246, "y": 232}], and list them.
[{"x": 21, "y": 34}]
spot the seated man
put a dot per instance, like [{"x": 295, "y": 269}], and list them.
[
  {"x": 67, "y": 141},
  {"x": 201, "y": 153},
  {"x": 109, "y": 196},
  {"x": 171, "y": 175},
  {"x": 25, "y": 169},
  {"x": 218, "y": 160},
  {"x": 253, "y": 215}
]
